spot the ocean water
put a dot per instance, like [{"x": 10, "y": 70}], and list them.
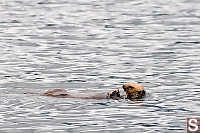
[{"x": 97, "y": 46}]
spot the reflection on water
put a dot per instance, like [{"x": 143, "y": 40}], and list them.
[{"x": 90, "y": 46}]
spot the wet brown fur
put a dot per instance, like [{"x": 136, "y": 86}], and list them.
[{"x": 133, "y": 91}]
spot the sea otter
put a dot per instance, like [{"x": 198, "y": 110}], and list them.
[{"x": 132, "y": 90}]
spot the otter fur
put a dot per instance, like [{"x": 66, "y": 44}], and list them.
[{"x": 132, "y": 90}]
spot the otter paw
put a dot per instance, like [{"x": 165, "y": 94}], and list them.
[{"x": 114, "y": 94}]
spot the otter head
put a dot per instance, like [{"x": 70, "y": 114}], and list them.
[{"x": 134, "y": 91}]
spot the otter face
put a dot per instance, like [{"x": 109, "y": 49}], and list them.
[{"x": 134, "y": 91}]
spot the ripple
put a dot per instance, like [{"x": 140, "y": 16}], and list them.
[{"x": 96, "y": 46}]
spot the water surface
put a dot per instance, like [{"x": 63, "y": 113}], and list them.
[{"x": 95, "y": 46}]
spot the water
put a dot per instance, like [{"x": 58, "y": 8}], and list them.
[{"x": 95, "y": 46}]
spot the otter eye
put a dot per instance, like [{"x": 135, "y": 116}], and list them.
[{"x": 132, "y": 87}]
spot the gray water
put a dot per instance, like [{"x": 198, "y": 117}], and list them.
[{"x": 97, "y": 46}]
